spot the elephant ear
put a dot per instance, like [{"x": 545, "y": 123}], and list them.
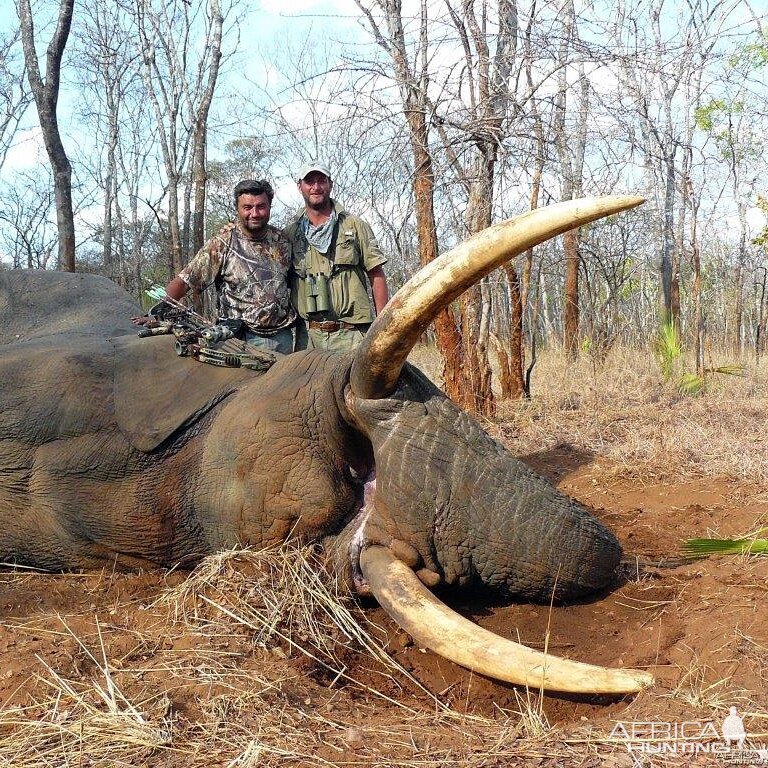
[
  {"x": 36, "y": 303},
  {"x": 157, "y": 393}
]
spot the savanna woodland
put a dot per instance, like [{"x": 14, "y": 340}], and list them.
[{"x": 624, "y": 361}]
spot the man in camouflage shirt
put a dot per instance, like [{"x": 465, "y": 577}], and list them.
[{"x": 248, "y": 264}]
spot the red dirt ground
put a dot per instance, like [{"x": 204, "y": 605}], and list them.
[{"x": 700, "y": 627}]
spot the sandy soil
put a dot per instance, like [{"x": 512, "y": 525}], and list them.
[{"x": 218, "y": 698}]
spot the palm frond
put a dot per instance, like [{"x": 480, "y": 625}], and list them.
[
  {"x": 668, "y": 348},
  {"x": 730, "y": 369},
  {"x": 691, "y": 384},
  {"x": 695, "y": 548}
]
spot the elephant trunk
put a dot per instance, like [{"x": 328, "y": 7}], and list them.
[
  {"x": 475, "y": 513},
  {"x": 521, "y": 536}
]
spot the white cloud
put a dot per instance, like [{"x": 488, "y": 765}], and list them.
[{"x": 27, "y": 151}]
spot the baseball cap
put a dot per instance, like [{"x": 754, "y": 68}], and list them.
[{"x": 315, "y": 165}]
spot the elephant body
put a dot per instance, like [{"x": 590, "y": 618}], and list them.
[{"x": 115, "y": 450}]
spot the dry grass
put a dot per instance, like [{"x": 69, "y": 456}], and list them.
[
  {"x": 212, "y": 678},
  {"x": 623, "y": 411},
  {"x": 289, "y": 604}
]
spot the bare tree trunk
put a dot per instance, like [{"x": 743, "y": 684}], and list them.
[
  {"x": 668, "y": 242},
  {"x": 762, "y": 316},
  {"x": 474, "y": 306},
  {"x": 447, "y": 334},
  {"x": 570, "y": 149},
  {"x": 519, "y": 326},
  {"x": 571, "y": 295},
  {"x": 516, "y": 387},
  {"x": 698, "y": 317},
  {"x": 181, "y": 93},
  {"x": 413, "y": 92},
  {"x": 109, "y": 199},
  {"x": 46, "y": 96},
  {"x": 200, "y": 134}
]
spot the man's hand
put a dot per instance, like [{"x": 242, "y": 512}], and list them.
[
  {"x": 146, "y": 320},
  {"x": 153, "y": 317}
]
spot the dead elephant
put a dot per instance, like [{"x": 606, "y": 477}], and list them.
[{"x": 112, "y": 449}]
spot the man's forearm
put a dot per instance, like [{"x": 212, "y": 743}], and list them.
[
  {"x": 379, "y": 288},
  {"x": 177, "y": 288}
]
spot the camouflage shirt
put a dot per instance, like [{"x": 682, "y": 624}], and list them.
[{"x": 250, "y": 275}]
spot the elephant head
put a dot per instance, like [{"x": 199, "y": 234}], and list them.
[{"x": 452, "y": 503}]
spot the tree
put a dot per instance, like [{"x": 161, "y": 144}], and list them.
[
  {"x": 46, "y": 94},
  {"x": 180, "y": 87},
  {"x": 571, "y": 144},
  {"x": 483, "y": 121},
  {"x": 469, "y": 106},
  {"x": 108, "y": 69},
  {"x": 14, "y": 94},
  {"x": 412, "y": 77},
  {"x": 661, "y": 74},
  {"x": 732, "y": 124},
  {"x": 25, "y": 209}
]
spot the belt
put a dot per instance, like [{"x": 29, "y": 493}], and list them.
[{"x": 331, "y": 326}]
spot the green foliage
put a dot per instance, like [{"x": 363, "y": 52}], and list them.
[
  {"x": 630, "y": 287},
  {"x": 691, "y": 384},
  {"x": 719, "y": 112},
  {"x": 669, "y": 352},
  {"x": 668, "y": 349},
  {"x": 586, "y": 345},
  {"x": 762, "y": 237},
  {"x": 751, "y": 545},
  {"x": 730, "y": 369},
  {"x": 755, "y": 55},
  {"x": 705, "y": 115}
]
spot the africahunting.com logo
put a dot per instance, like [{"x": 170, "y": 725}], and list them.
[{"x": 656, "y": 739}]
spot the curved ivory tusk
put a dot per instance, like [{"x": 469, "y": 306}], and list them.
[
  {"x": 381, "y": 356},
  {"x": 435, "y": 626}
]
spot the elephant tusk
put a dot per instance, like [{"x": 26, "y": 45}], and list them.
[
  {"x": 382, "y": 354},
  {"x": 432, "y": 624}
]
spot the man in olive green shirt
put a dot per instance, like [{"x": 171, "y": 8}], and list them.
[{"x": 335, "y": 256}]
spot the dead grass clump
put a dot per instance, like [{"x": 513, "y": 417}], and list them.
[
  {"x": 697, "y": 688},
  {"x": 290, "y": 604},
  {"x": 90, "y": 721}
]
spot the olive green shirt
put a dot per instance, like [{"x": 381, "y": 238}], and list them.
[{"x": 352, "y": 254}]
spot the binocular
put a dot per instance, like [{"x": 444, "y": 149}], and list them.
[{"x": 317, "y": 297}]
